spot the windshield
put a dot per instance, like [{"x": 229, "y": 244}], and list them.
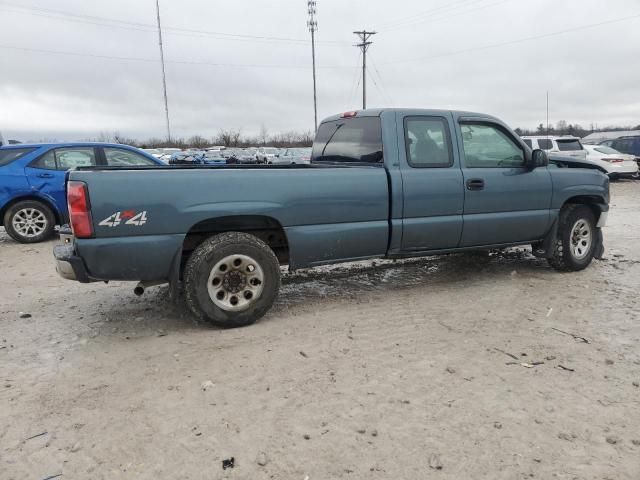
[
  {"x": 270, "y": 150},
  {"x": 10, "y": 154},
  {"x": 568, "y": 145},
  {"x": 606, "y": 150}
]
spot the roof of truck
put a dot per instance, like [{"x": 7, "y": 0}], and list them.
[{"x": 376, "y": 112}]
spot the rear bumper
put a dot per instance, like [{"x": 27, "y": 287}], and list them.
[{"x": 68, "y": 265}]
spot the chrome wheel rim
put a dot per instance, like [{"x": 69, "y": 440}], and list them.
[
  {"x": 581, "y": 239},
  {"x": 29, "y": 222},
  {"x": 235, "y": 283}
]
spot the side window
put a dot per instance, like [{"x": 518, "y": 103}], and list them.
[
  {"x": 528, "y": 142},
  {"x": 119, "y": 157},
  {"x": 545, "y": 144},
  {"x": 349, "y": 140},
  {"x": 47, "y": 161},
  {"x": 73, "y": 157},
  {"x": 427, "y": 142},
  {"x": 488, "y": 146}
]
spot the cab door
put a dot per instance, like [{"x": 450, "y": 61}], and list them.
[
  {"x": 431, "y": 183},
  {"x": 504, "y": 201}
]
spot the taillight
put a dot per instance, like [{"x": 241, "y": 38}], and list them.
[
  {"x": 79, "y": 210},
  {"x": 614, "y": 160}
]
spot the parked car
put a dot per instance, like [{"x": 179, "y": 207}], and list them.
[
  {"x": 267, "y": 154},
  {"x": 32, "y": 182},
  {"x": 617, "y": 164},
  {"x": 292, "y": 156},
  {"x": 564, "y": 145},
  {"x": 629, "y": 145},
  {"x": 439, "y": 182},
  {"x": 186, "y": 158},
  {"x": 153, "y": 151},
  {"x": 247, "y": 156}
]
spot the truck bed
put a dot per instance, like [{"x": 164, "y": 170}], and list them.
[{"x": 328, "y": 213}]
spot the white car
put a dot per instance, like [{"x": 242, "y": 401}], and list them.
[
  {"x": 566, "y": 145},
  {"x": 267, "y": 154},
  {"x": 153, "y": 151},
  {"x": 616, "y": 164}
]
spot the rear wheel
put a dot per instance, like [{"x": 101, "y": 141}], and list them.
[
  {"x": 29, "y": 221},
  {"x": 575, "y": 244},
  {"x": 231, "y": 279}
]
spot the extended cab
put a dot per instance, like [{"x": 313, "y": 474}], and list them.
[{"x": 385, "y": 183}]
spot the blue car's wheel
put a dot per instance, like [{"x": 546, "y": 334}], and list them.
[{"x": 29, "y": 221}]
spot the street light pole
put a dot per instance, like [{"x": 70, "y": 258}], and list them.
[
  {"x": 313, "y": 26},
  {"x": 164, "y": 77}
]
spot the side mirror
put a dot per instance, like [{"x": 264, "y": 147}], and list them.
[{"x": 538, "y": 158}]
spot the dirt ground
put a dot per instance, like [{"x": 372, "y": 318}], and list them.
[{"x": 378, "y": 370}]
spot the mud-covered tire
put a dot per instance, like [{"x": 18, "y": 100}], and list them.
[
  {"x": 564, "y": 257},
  {"x": 36, "y": 210},
  {"x": 199, "y": 270}
]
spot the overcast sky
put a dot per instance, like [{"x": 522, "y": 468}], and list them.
[{"x": 427, "y": 53}]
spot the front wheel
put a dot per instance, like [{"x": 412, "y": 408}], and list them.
[
  {"x": 29, "y": 221},
  {"x": 231, "y": 279},
  {"x": 575, "y": 243}
]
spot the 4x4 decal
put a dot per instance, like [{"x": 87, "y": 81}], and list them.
[{"x": 128, "y": 217}]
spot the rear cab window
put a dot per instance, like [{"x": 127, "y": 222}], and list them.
[
  {"x": 349, "y": 140},
  {"x": 12, "y": 154}
]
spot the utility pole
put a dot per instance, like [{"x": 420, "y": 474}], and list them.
[
  {"x": 364, "y": 46},
  {"x": 313, "y": 26},
  {"x": 164, "y": 77},
  {"x": 547, "y": 113}
]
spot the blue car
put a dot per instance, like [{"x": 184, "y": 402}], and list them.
[{"x": 32, "y": 182}]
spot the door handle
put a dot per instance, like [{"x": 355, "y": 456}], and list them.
[
  {"x": 45, "y": 175},
  {"x": 475, "y": 184}
]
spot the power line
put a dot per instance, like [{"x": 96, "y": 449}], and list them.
[
  {"x": 364, "y": 46},
  {"x": 383, "y": 89},
  {"x": 512, "y": 42},
  {"x": 150, "y": 28},
  {"x": 353, "y": 85},
  {"x": 153, "y": 60},
  {"x": 446, "y": 15},
  {"x": 430, "y": 12}
]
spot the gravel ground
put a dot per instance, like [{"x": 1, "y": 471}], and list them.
[{"x": 415, "y": 369}]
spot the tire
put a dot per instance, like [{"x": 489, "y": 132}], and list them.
[
  {"x": 254, "y": 282},
  {"x": 574, "y": 223},
  {"x": 29, "y": 221}
]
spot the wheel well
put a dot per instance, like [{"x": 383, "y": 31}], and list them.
[
  {"x": 265, "y": 228},
  {"x": 592, "y": 201},
  {"x": 49, "y": 204}
]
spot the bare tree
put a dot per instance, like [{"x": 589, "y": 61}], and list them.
[{"x": 264, "y": 134}]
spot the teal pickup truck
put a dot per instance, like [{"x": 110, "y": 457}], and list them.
[{"x": 388, "y": 183}]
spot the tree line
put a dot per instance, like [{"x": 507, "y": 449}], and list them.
[
  {"x": 575, "y": 129},
  {"x": 225, "y": 138}
]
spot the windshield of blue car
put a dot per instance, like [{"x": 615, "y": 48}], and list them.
[
  {"x": 569, "y": 145},
  {"x": 11, "y": 154}
]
